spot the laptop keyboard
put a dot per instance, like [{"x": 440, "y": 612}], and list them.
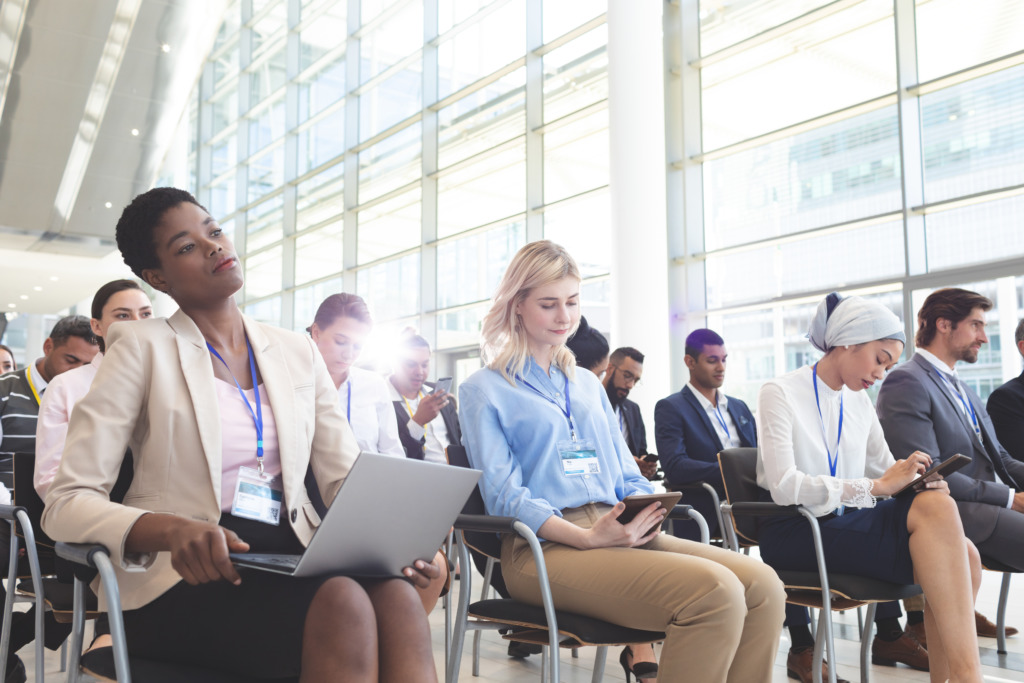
[{"x": 277, "y": 561}]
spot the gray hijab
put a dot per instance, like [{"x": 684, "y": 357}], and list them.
[{"x": 852, "y": 320}]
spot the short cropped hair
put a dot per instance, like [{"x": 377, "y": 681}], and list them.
[
  {"x": 1018, "y": 336},
  {"x": 698, "y": 339},
  {"x": 951, "y": 303},
  {"x": 623, "y": 352},
  {"x": 73, "y": 326},
  {"x": 343, "y": 305},
  {"x": 139, "y": 219},
  {"x": 410, "y": 339},
  {"x": 588, "y": 345}
]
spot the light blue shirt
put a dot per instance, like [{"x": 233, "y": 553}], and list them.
[{"x": 512, "y": 434}]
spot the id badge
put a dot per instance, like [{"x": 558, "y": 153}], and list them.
[
  {"x": 257, "y": 496},
  {"x": 578, "y": 457}
]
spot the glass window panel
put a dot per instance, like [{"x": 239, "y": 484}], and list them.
[
  {"x": 396, "y": 98},
  {"x": 318, "y": 253},
  {"x": 391, "y": 289},
  {"x": 973, "y": 136},
  {"x": 225, "y": 64},
  {"x": 322, "y": 141},
  {"x": 469, "y": 269},
  {"x": 266, "y": 173},
  {"x": 990, "y": 231},
  {"x": 225, "y": 110},
  {"x": 562, "y": 16},
  {"x": 837, "y": 173},
  {"x": 846, "y": 58},
  {"x": 267, "y": 28},
  {"x": 482, "y": 48},
  {"x": 397, "y": 37},
  {"x": 321, "y": 197},
  {"x": 391, "y": 163},
  {"x": 596, "y": 298},
  {"x": 369, "y": 9},
  {"x": 228, "y": 227},
  {"x": 267, "y": 311},
  {"x": 223, "y": 196},
  {"x": 229, "y": 27},
  {"x": 487, "y": 190},
  {"x": 821, "y": 261},
  {"x": 265, "y": 223},
  {"x": 453, "y": 12},
  {"x": 576, "y": 74},
  {"x": 322, "y": 89},
  {"x": 726, "y": 23},
  {"x": 325, "y": 33},
  {"x": 267, "y": 126},
  {"x": 482, "y": 120},
  {"x": 956, "y": 34},
  {"x": 460, "y": 328},
  {"x": 584, "y": 227},
  {"x": 263, "y": 274},
  {"x": 576, "y": 157},
  {"x": 223, "y": 155},
  {"x": 750, "y": 341},
  {"x": 389, "y": 227},
  {"x": 308, "y": 299},
  {"x": 268, "y": 76}
]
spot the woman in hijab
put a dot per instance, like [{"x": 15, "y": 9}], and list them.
[{"x": 821, "y": 446}]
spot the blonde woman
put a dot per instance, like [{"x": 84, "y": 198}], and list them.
[{"x": 524, "y": 418}]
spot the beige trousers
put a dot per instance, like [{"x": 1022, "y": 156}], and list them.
[{"x": 721, "y": 611}]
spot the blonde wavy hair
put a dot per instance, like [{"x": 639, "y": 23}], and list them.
[{"x": 504, "y": 346}]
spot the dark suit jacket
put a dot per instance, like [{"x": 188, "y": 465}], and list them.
[
  {"x": 636, "y": 438},
  {"x": 1006, "y": 408},
  {"x": 918, "y": 413},
  {"x": 688, "y": 444},
  {"x": 414, "y": 447}
]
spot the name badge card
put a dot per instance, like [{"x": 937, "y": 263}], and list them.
[
  {"x": 257, "y": 496},
  {"x": 578, "y": 457}
]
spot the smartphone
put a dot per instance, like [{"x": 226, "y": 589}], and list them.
[
  {"x": 947, "y": 466},
  {"x": 443, "y": 386},
  {"x": 649, "y": 457},
  {"x": 634, "y": 504}
]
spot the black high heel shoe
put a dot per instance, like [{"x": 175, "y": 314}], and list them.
[{"x": 640, "y": 669}]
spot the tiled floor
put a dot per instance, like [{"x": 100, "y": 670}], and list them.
[{"x": 496, "y": 667}]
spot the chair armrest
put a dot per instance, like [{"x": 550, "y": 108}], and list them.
[
  {"x": 763, "y": 509},
  {"x": 9, "y": 512},
  {"x": 81, "y": 553},
  {"x": 680, "y": 511},
  {"x": 498, "y": 525}
]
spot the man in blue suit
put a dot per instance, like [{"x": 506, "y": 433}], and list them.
[{"x": 692, "y": 426}]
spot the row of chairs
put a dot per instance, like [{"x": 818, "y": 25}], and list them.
[{"x": 545, "y": 625}]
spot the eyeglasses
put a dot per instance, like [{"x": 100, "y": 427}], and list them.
[{"x": 630, "y": 378}]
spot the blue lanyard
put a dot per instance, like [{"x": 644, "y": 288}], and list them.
[
  {"x": 968, "y": 406},
  {"x": 567, "y": 411},
  {"x": 721, "y": 419},
  {"x": 257, "y": 416},
  {"x": 348, "y": 406},
  {"x": 833, "y": 464}
]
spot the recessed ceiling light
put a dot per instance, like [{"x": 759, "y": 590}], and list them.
[
  {"x": 38, "y": 288},
  {"x": 108, "y": 205},
  {"x": 12, "y": 305},
  {"x": 54, "y": 278},
  {"x": 135, "y": 131},
  {"x": 24, "y": 297},
  {"x": 164, "y": 47}
]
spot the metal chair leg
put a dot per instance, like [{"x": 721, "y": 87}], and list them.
[
  {"x": 484, "y": 592},
  {"x": 599, "y": 661},
  {"x": 12, "y": 578},
  {"x": 865, "y": 641},
  {"x": 1004, "y": 596}
]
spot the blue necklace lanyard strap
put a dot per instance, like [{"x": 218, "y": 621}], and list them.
[
  {"x": 567, "y": 411},
  {"x": 257, "y": 415},
  {"x": 721, "y": 418},
  {"x": 348, "y": 405},
  {"x": 833, "y": 463},
  {"x": 967, "y": 405}
]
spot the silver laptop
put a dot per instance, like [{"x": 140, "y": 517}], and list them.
[{"x": 388, "y": 513}]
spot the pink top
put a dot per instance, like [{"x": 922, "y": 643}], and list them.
[
  {"x": 238, "y": 438},
  {"x": 61, "y": 395}
]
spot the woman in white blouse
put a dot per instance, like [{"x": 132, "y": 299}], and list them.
[{"x": 821, "y": 446}]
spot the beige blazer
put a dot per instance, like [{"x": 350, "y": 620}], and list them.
[{"x": 155, "y": 393}]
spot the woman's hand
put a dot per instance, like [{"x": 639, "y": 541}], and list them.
[
  {"x": 608, "y": 532},
  {"x": 421, "y": 573},
  {"x": 199, "y": 552},
  {"x": 903, "y": 472}
]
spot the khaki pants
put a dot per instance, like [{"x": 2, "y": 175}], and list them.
[{"x": 721, "y": 611}]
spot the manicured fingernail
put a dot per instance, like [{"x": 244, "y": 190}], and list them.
[{"x": 408, "y": 572}]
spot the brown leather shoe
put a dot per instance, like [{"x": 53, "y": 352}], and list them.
[
  {"x": 798, "y": 666},
  {"x": 904, "y": 649},
  {"x": 986, "y": 629},
  {"x": 916, "y": 631}
]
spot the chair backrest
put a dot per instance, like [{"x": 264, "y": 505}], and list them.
[
  {"x": 739, "y": 474},
  {"x": 483, "y": 542},
  {"x": 25, "y": 495}
]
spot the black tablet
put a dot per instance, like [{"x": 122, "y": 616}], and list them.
[{"x": 946, "y": 467}]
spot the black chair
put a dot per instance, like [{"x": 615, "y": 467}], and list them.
[
  {"x": 538, "y": 624},
  {"x": 821, "y": 589}
]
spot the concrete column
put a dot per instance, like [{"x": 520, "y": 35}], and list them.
[{"x": 640, "y": 259}]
